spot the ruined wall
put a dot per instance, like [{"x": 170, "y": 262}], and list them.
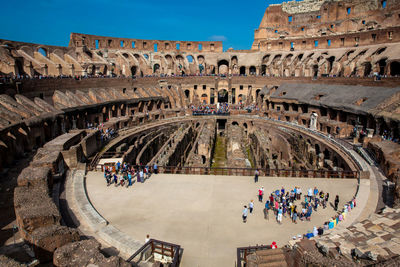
[{"x": 304, "y": 22}]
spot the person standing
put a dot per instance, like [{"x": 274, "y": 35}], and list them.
[
  {"x": 336, "y": 202},
  {"x": 279, "y": 216},
  {"x": 141, "y": 174},
  {"x": 251, "y": 206},
  {"x": 294, "y": 216},
  {"x": 260, "y": 194},
  {"x": 155, "y": 168},
  {"x": 266, "y": 210},
  {"x": 256, "y": 174},
  {"x": 244, "y": 214}
]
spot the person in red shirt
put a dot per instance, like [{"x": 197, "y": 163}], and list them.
[{"x": 261, "y": 194}]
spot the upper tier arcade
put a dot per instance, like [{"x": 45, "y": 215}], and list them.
[
  {"x": 102, "y": 42},
  {"x": 313, "y": 24}
]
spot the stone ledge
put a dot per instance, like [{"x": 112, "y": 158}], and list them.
[{"x": 85, "y": 208}]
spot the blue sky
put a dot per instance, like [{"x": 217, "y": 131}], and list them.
[{"x": 51, "y": 21}]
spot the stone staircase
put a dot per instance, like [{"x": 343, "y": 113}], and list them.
[{"x": 267, "y": 258}]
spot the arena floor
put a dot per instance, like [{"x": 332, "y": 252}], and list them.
[{"x": 203, "y": 213}]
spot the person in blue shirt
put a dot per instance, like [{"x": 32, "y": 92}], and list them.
[
  {"x": 244, "y": 214},
  {"x": 155, "y": 168},
  {"x": 266, "y": 210}
]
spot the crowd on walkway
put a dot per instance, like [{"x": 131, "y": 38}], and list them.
[
  {"x": 125, "y": 174},
  {"x": 106, "y": 133},
  {"x": 220, "y": 108}
]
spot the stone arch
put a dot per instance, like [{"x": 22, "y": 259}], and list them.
[
  {"x": 223, "y": 96},
  {"x": 382, "y": 66},
  {"x": 367, "y": 68},
  {"x": 242, "y": 70},
  {"x": 395, "y": 68},
  {"x": 252, "y": 70},
  {"x": 223, "y": 66},
  {"x": 43, "y": 51}
]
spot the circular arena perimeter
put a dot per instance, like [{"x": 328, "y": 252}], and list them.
[{"x": 202, "y": 213}]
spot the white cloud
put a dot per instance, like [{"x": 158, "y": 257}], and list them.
[{"x": 217, "y": 38}]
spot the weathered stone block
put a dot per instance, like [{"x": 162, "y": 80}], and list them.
[
  {"x": 34, "y": 209},
  {"x": 34, "y": 176},
  {"x": 83, "y": 253},
  {"x": 47, "y": 239}
]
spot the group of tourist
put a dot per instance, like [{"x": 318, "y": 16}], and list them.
[
  {"x": 282, "y": 203},
  {"x": 106, "y": 134},
  {"x": 123, "y": 174},
  {"x": 219, "y": 109}
]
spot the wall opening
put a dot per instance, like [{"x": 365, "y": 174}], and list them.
[
  {"x": 121, "y": 43},
  {"x": 155, "y": 47},
  {"x": 395, "y": 68},
  {"x": 96, "y": 44},
  {"x": 42, "y": 51}
]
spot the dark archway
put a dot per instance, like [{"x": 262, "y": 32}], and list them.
[
  {"x": 315, "y": 71},
  {"x": 223, "y": 66},
  {"x": 187, "y": 94},
  {"x": 330, "y": 61},
  {"x": 252, "y": 70},
  {"x": 133, "y": 70},
  {"x": 382, "y": 66},
  {"x": 223, "y": 96},
  {"x": 156, "y": 67},
  {"x": 367, "y": 69},
  {"x": 395, "y": 68},
  {"x": 263, "y": 69},
  {"x": 242, "y": 70}
]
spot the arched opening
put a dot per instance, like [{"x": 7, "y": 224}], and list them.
[
  {"x": 327, "y": 154},
  {"x": 204, "y": 98},
  {"x": 263, "y": 69},
  {"x": 187, "y": 94},
  {"x": 133, "y": 70},
  {"x": 125, "y": 55},
  {"x": 234, "y": 123},
  {"x": 189, "y": 58},
  {"x": 156, "y": 67},
  {"x": 240, "y": 98},
  {"x": 242, "y": 70},
  {"x": 223, "y": 67},
  {"x": 317, "y": 149},
  {"x": 223, "y": 96},
  {"x": 315, "y": 71},
  {"x": 382, "y": 66},
  {"x": 252, "y": 70},
  {"x": 42, "y": 51},
  {"x": 367, "y": 68},
  {"x": 257, "y": 93},
  {"x": 330, "y": 61},
  {"x": 146, "y": 56},
  {"x": 155, "y": 47},
  {"x": 395, "y": 68}
]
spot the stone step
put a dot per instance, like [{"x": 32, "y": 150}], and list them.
[
  {"x": 271, "y": 258},
  {"x": 269, "y": 252},
  {"x": 273, "y": 264}
]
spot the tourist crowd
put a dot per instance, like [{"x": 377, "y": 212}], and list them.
[
  {"x": 124, "y": 174},
  {"x": 220, "y": 109},
  {"x": 282, "y": 203}
]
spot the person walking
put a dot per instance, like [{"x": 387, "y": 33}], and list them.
[
  {"x": 256, "y": 174},
  {"x": 336, "y": 202},
  {"x": 294, "y": 216},
  {"x": 155, "y": 168},
  {"x": 266, "y": 210},
  {"x": 244, "y": 214},
  {"x": 251, "y": 206},
  {"x": 279, "y": 216},
  {"x": 260, "y": 194}
]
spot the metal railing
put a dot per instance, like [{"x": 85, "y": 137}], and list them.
[
  {"x": 243, "y": 252},
  {"x": 262, "y": 172},
  {"x": 171, "y": 253}
]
